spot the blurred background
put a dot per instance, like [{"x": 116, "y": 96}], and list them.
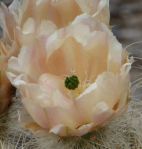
[
  {"x": 126, "y": 22},
  {"x": 126, "y": 19}
]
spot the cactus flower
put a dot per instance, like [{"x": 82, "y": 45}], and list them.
[{"x": 74, "y": 80}]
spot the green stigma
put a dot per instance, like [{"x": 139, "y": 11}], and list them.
[{"x": 72, "y": 82}]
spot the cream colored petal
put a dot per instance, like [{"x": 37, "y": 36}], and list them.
[
  {"x": 29, "y": 26},
  {"x": 67, "y": 10},
  {"x": 110, "y": 42},
  {"x": 76, "y": 30},
  {"x": 93, "y": 40},
  {"x": 102, "y": 114},
  {"x": 84, "y": 129},
  {"x": 83, "y": 44},
  {"x": 33, "y": 60},
  {"x": 103, "y": 13},
  {"x": 126, "y": 84},
  {"x": 13, "y": 66},
  {"x": 98, "y": 8},
  {"x": 52, "y": 111},
  {"x": 14, "y": 72},
  {"x": 97, "y": 59},
  {"x": 110, "y": 89},
  {"x": 16, "y": 10},
  {"x": 70, "y": 58},
  {"x": 66, "y": 116},
  {"x": 26, "y": 10},
  {"x": 115, "y": 55},
  {"x": 89, "y": 6},
  {"x": 55, "y": 41},
  {"x": 37, "y": 113},
  {"x": 46, "y": 28},
  {"x": 59, "y": 130},
  {"x": 7, "y": 23},
  {"x": 62, "y": 130},
  {"x": 44, "y": 108},
  {"x": 49, "y": 110},
  {"x": 88, "y": 90},
  {"x": 53, "y": 86}
]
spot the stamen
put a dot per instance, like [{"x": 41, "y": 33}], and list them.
[{"x": 72, "y": 82}]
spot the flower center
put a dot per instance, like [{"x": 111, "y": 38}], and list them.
[{"x": 72, "y": 82}]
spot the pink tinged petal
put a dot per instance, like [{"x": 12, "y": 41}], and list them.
[
  {"x": 68, "y": 13},
  {"x": 125, "y": 83},
  {"x": 13, "y": 66},
  {"x": 49, "y": 83},
  {"x": 115, "y": 57},
  {"x": 29, "y": 26},
  {"x": 35, "y": 100},
  {"x": 32, "y": 60},
  {"x": 24, "y": 59},
  {"x": 59, "y": 100},
  {"x": 61, "y": 110},
  {"x": 125, "y": 69},
  {"x": 98, "y": 60},
  {"x": 27, "y": 34},
  {"x": 58, "y": 110},
  {"x": 103, "y": 13},
  {"x": 55, "y": 41},
  {"x": 84, "y": 129},
  {"x": 59, "y": 130},
  {"x": 89, "y": 7},
  {"x": 36, "y": 112},
  {"x": 67, "y": 116},
  {"x": 70, "y": 57},
  {"x": 7, "y": 21},
  {"x": 93, "y": 42},
  {"x": 99, "y": 9},
  {"x": 18, "y": 8},
  {"x": 16, "y": 81},
  {"x": 108, "y": 88},
  {"x": 39, "y": 2},
  {"x": 88, "y": 90},
  {"x": 46, "y": 28},
  {"x": 66, "y": 131},
  {"x": 54, "y": 88},
  {"x": 102, "y": 113},
  {"x": 111, "y": 47},
  {"x": 26, "y": 11},
  {"x": 80, "y": 32}
]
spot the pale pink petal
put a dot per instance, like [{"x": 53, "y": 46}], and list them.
[
  {"x": 59, "y": 129},
  {"x": 107, "y": 89},
  {"x": 102, "y": 114},
  {"x": 29, "y": 26},
  {"x": 38, "y": 114},
  {"x": 69, "y": 117},
  {"x": 84, "y": 129},
  {"x": 68, "y": 13},
  {"x": 46, "y": 28},
  {"x": 76, "y": 62},
  {"x": 98, "y": 8},
  {"x": 103, "y": 14}
]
